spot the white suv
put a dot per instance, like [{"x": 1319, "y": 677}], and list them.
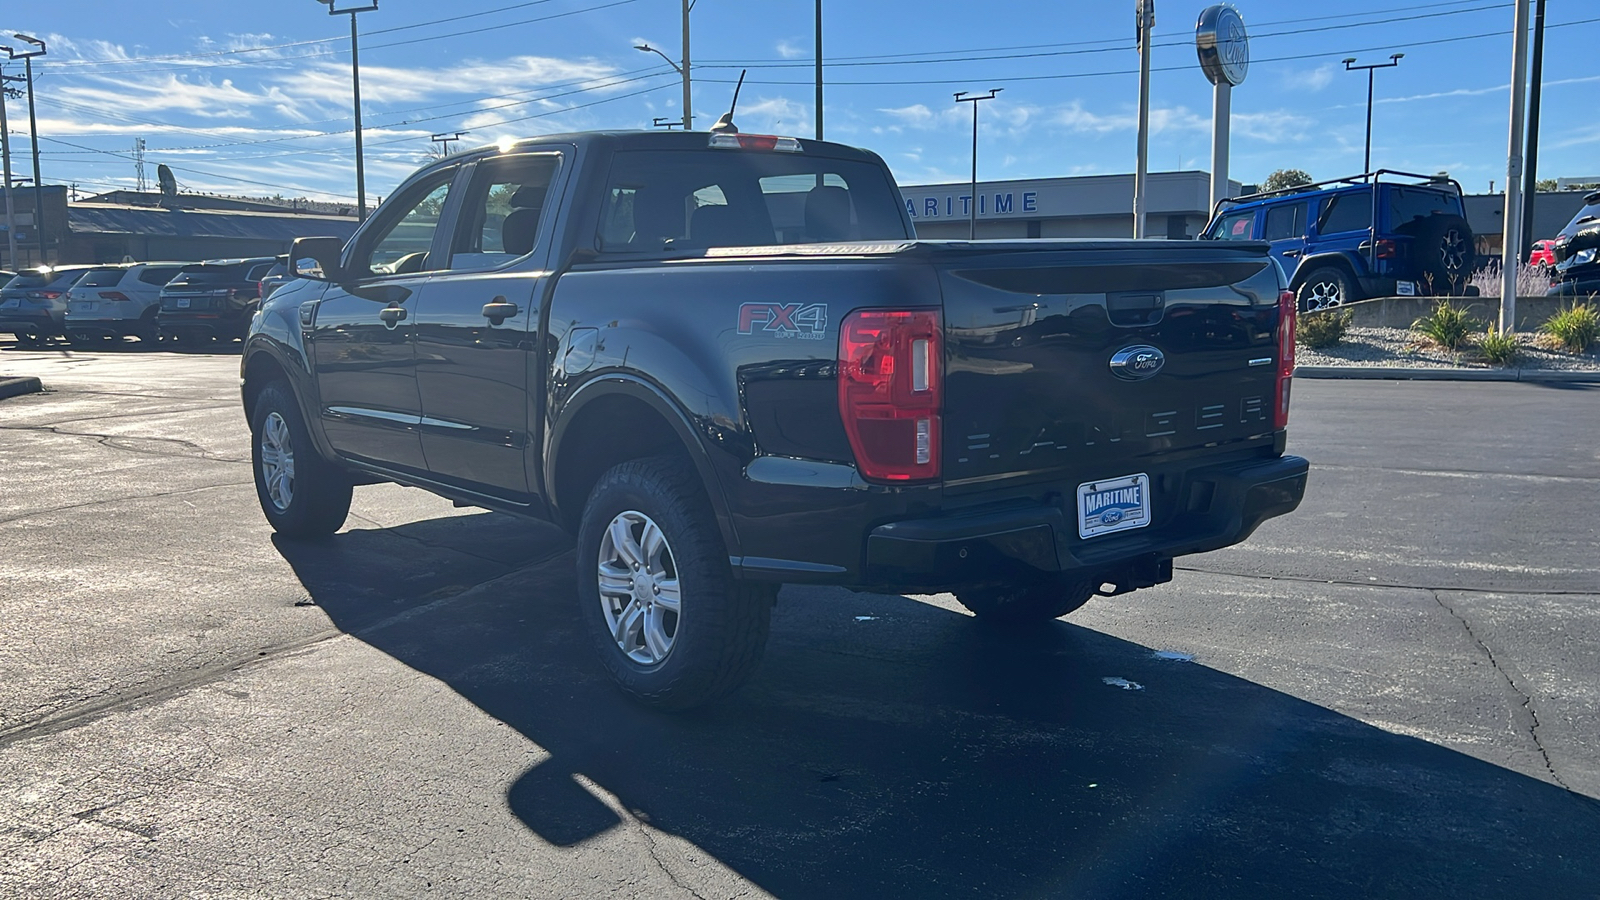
[{"x": 118, "y": 300}]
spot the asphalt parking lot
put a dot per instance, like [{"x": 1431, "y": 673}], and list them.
[{"x": 1394, "y": 691}]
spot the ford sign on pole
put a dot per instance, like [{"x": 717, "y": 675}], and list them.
[{"x": 1224, "y": 49}]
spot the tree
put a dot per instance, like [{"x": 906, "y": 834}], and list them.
[
  {"x": 1545, "y": 184},
  {"x": 1285, "y": 178}
]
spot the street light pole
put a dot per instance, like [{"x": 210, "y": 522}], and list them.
[
  {"x": 1512, "y": 233},
  {"x": 355, "y": 80},
  {"x": 681, "y": 70},
  {"x": 1146, "y": 13},
  {"x": 688, "y": 113},
  {"x": 1349, "y": 66},
  {"x": 819, "y": 70},
  {"x": 972, "y": 202}
]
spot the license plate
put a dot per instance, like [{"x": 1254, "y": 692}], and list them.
[
  {"x": 86, "y": 306},
  {"x": 1116, "y": 504},
  {"x": 183, "y": 303},
  {"x": 1405, "y": 289}
]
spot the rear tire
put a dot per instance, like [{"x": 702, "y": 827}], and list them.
[
  {"x": 1324, "y": 288},
  {"x": 1444, "y": 248},
  {"x": 1030, "y": 601},
  {"x": 671, "y": 624},
  {"x": 302, "y": 494}
]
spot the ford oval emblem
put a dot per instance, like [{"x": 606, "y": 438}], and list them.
[{"x": 1137, "y": 363}]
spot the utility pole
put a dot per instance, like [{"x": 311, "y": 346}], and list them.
[
  {"x": 5, "y": 152},
  {"x": 446, "y": 137},
  {"x": 1349, "y": 66},
  {"x": 355, "y": 81},
  {"x": 820, "y": 69},
  {"x": 1146, "y": 12},
  {"x": 1530, "y": 176},
  {"x": 972, "y": 204},
  {"x": 138, "y": 164},
  {"x": 688, "y": 113},
  {"x": 33, "y": 139},
  {"x": 1509, "y": 258}
]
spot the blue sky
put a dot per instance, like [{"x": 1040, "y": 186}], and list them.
[{"x": 253, "y": 98}]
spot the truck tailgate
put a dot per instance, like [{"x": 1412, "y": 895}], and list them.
[{"x": 1031, "y": 391}]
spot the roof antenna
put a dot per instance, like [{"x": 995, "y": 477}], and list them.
[{"x": 725, "y": 121}]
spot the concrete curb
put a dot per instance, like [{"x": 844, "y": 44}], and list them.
[
  {"x": 16, "y": 386},
  {"x": 1402, "y": 373}
]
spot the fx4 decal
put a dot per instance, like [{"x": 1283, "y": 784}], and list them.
[{"x": 806, "y": 321}]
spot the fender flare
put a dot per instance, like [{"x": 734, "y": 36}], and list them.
[
  {"x": 1334, "y": 258},
  {"x": 636, "y": 387}
]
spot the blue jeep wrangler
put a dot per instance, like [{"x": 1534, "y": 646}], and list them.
[{"x": 1341, "y": 246}]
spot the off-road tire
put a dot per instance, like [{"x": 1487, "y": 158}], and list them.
[
  {"x": 1324, "y": 288},
  {"x": 722, "y": 624},
  {"x": 1443, "y": 248},
  {"x": 1030, "y": 601},
  {"x": 320, "y": 498}
]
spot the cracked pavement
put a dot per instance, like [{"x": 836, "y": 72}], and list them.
[{"x": 1394, "y": 690}]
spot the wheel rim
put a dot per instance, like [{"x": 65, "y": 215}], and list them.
[
  {"x": 277, "y": 461},
  {"x": 1453, "y": 251},
  {"x": 1322, "y": 295},
  {"x": 639, "y": 590}
]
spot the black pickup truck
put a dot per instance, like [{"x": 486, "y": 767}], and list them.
[{"x": 725, "y": 362}]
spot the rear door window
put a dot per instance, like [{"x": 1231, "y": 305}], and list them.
[
  {"x": 505, "y": 205},
  {"x": 1286, "y": 221},
  {"x": 1350, "y": 211}
]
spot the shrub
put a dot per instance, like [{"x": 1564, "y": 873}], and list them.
[
  {"x": 1319, "y": 330},
  {"x": 1575, "y": 328},
  {"x": 1532, "y": 281},
  {"x": 1500, "y": 348},
  {"x": 1448, "y": 326}
]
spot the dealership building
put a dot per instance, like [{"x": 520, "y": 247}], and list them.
[{"x": 1091, "y": 206}]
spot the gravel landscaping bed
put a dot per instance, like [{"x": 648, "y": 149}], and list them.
[{"x": 1404, "y": 349}]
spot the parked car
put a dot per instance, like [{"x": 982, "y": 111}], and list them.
[
  {"x": 1341, "y": 246},
  {"x": 118, "y": 301},
  {"x": 1542, "y": 253},
  {"x": 1576, "y": 249},
  {"x": 725, "y": 362},
  {"x": 5, "y": 277},
  {"x": 276, "y": 277},
  {"x": 33, "y": 305},
  {"x": 213, "y": 300}
]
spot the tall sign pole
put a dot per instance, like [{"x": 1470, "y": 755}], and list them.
[
  {"x": 5, "y": 151},
  {"x": 1224, "y": 50},
  {"x": 1512, "y": 235},
  {"x": 972, "y": 203},
  {"x": 1146, "y": 12}
]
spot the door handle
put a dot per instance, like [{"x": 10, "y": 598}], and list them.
[
  {"x": 392, "y": 315},
  {"x": 498, "y": 310},
  {"x": 1291, "y": 254}
]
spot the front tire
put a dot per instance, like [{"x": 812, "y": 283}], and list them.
[
  {"x": 302, "y": 494},
  {"x": 1030, "y": 601},
  {"x": 671, "y": 625}
]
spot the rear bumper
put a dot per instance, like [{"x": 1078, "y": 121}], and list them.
[
  {"x": 225, "y": 324},
  {"x": 1221, "y": 505},
  {"x": 113, "y": 327},
  {"x": 38, "y": 323}
]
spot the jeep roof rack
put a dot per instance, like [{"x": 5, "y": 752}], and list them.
[{"x": 1364, "y": 178}]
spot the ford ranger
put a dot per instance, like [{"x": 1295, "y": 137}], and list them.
[{"x": 725, "y": 362}]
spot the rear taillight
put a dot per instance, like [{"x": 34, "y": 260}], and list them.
[
  {"x": 890, "y": 392},
  {"x": 1286, "y": 322},
  {"x": 755, "y": 142},
  {"x": 1386, "y": 249},
  {"x": 261, "y": 289},
  {"x": 113, "y": 295},
  {"x": 43, "y": 295}
]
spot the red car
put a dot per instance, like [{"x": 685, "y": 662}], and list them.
[{"x": 1541, "y": 254}]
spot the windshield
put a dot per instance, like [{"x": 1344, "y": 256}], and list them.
[
  {"x": 695, "y": 199},
  {"x": 30, "y": 280}
]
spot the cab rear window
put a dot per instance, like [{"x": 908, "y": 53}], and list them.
[
  {"x": 666, "y": 201},
  {"x": 105, "y": 277}
]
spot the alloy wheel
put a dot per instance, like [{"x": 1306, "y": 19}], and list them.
[
  {"x": 639, "y": 589},
  {"x": 277, "y": 461},
  {"x": 1322, "y": 295}
]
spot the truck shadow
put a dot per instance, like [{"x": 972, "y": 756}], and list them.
[{"x": 890, "y": 747}]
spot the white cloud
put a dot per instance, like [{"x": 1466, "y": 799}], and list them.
[
  {"x": 1309, "y": 79},
  {"x": 789, "y": 49}
]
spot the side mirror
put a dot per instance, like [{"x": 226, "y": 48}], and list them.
[{"x": 317, "y": 258}]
